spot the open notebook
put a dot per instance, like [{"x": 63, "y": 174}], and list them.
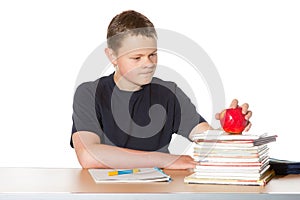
[{"x": 142, "y": 175}]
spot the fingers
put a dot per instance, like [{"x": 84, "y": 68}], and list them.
[
  {"x": 248, "y": 115},
  {"x": 245, "y": 107},
  {"x": 245, "y": 111},
  {"x": 182, "y": 162},
  {"x": 191, "y": 163},
  {"x": 234, "y": 103},
  {"x": 248, "y": 126},
  {"x": 217, "y": 116}
]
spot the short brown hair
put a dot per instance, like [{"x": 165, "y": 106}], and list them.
[{"x": 128, "y": 23}]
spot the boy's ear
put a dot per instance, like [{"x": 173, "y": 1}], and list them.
[{"x": 111, "y": 56}]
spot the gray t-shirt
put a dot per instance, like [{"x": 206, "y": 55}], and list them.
[{"x": 142, "y": 120}]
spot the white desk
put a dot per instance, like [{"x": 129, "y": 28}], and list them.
[{"x": 44, "y": 183}]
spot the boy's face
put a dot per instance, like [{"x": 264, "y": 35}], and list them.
[{"x": 136, "y": 62}]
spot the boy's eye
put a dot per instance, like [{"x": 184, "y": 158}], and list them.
[{"x": 136, "y": 58}]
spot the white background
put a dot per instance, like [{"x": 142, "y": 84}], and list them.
[{"x": 255, "y": 46}]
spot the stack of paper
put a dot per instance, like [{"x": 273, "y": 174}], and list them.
[
  {"x": 231, "y": 159},
  {"x": 129, "y": 175}
]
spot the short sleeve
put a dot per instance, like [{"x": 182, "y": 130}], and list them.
[
  {"x": 186, "y": 114},
  {"x": 84, "y": 111}
]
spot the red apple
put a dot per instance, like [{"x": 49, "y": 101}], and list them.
[{"x": 233, "y": 120}]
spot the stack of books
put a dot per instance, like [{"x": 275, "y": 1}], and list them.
[{"x": 240, "y": 159}]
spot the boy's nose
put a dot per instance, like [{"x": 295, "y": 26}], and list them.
[{"x": 149, "y": 63}]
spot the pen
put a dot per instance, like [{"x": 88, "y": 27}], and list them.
[{"x": 120, "y": 172}]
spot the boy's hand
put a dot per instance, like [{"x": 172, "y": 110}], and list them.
[
  {"x": 245, "y": 111},
  {"x": 182, "y": 162}
]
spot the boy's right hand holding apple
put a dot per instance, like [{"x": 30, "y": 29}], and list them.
[{"x": 236, "y": 118}]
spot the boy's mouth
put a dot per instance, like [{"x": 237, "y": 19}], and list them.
[{"x": 147, "y": 72}]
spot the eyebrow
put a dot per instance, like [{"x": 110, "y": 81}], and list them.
[{"x": 140, "y": 54}]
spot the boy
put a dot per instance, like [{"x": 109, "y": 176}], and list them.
[{"x": 127, "y": 119}]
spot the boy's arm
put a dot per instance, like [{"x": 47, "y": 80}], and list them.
[
  {"x": 92, "y": 154},
  {"x": 199, "y": 128}
]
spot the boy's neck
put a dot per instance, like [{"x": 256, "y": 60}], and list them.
[{"x": 123, "y": 84}]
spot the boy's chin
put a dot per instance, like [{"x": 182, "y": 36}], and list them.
[{"x": 145, "y": 81}]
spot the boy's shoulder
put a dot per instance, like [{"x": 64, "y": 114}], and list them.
[
  {"x": 88, "y": 85},
  {"x": 162, "y": 83},
  {"x": 94, "y": 84}
]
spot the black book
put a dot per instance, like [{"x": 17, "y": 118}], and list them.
[{"x": 284, "y": 167}]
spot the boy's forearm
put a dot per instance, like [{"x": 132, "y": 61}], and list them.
[
  {"x": 92, "y": 154},
  {"x": 106, "y": 156}
]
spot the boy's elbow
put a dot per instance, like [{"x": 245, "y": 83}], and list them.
[
  {"x": 87, "y": 161},
  {"x": 84, "y": 161},
  {"x": 84, "y": 151}
]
